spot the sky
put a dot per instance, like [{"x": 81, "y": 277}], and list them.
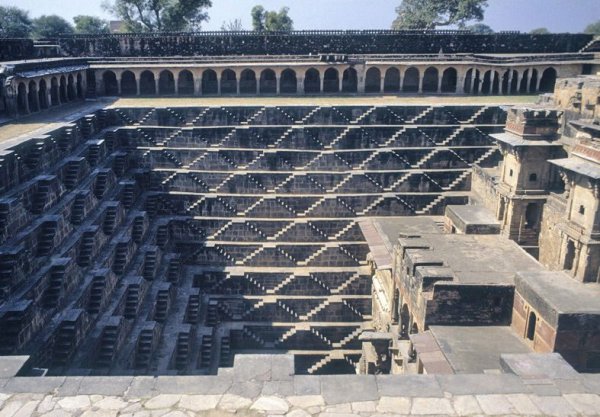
[{"x": 523, "y": 15}]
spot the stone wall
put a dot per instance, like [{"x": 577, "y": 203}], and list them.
[
  {"x": 14, "y": 49},
  {"x": 317, "y": 42}
]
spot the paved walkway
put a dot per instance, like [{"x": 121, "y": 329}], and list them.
[{"x": 264, "y": 385}]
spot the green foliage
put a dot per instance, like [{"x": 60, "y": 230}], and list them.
[
  {"x": 232, "y": 26},
  {"x": 90, "y": 24},
  {"x": 14, "y": 23},
  {"x": 160, "y": 15},
  {"x": 480, "y": 28},
  {"x": 271, "y": 20},
  {"x": 539, "y": 31},
  {"x": 51, "y": 26},
  {"x": 593, "y": 28},
  {"x": 428, "y": 14}
]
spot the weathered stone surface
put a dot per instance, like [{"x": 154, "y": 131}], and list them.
[
  {"x": 466, "y": 405},
  {"x": 585, "y": 404},
  {"x": 75, "y": 403},
  {"x": 431, "y": 406},
  {"x": 394, "y": 405},
  {"x": 345, "y": 388},
  {"x": 233, "y": 403},
  {"x": 305, "y": 401},
  {"x": 111, "y": 403},
  {"x": 298, "y": 413},
  {"x": 270, "y": 404},
  {"x": 162, "y": 401},
  {"x": 199, "y": 402},
  {"x": 495, "y": 404},
  {"x": 553, "y": 406}
]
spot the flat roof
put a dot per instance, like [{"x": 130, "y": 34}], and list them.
[
  {"x": 578, "y": 165},
  {"x": 562, "y": 292},
  {"x": 473, "y": 259},
  {"x": 477, "y": 349},
  {"x": 518, "y": 141},
  {"x": 472, "y": 215}
]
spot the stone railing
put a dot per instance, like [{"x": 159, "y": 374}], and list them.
[{"x": 15, "y": 48}]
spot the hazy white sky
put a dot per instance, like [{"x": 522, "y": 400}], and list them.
[{"x": 524, "y": 15}]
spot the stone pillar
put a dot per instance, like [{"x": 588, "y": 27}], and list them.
[
  {"x": 278, "y": 84},
  {"x": 300, "y": 85},
  {"x": 360, "y": 88},
  {"x": 529, "y": 77},
  {"x": 382, "y": 84},
  {"x": 340, "y": 81},
  {"x": 421, "y": 77},
  {"x": 509, "y": 84},
  {"x": 322, "y": 81},
  {"x": 473, "y": 77},
  {"x": 439, "y": 86},
  {"x": 137, "y": 84},
  {"x": 27, "y": 109},
  {"x": 36, "y": 98},
  {"x": 492, "y": 80},
  {"x": 49, "y": 93},
  {"x": 218, "y": 85},
  {"x": 176, "y": 81},
  {"x": 156, "y": 84},
  {"x": 119, "y": 84},
  {"x": 258, "y": 86},
  {"x": 538, "y": 81},
  {"x": 198, "y": 86}
]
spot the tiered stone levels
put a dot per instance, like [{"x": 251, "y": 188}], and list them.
[{"x": 166, "y": 240}]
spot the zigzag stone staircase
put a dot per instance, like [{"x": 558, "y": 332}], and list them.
[{"x": 167, "y": 240}]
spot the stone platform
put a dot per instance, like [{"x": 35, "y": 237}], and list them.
[{"x": 266, "y": 385}]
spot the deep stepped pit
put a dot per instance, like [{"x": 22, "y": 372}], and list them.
[{"x": 167, "y": 240}]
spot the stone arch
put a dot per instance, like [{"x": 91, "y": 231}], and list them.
[
  {"x": 449, "y": 80},
  {"x": 228, "y": 82},
  {"x": 373, "y": 80},
  {"x": 210, "y": 83},
  {"x": 185, "y": 83},
  {"x": 71, "y": 93},
  {"x": 410, "y": 83},
  {"x": 404, "y": 321},
  {"x": 531, "y": 323},
  {"x": 62, "y": 89},
  {"x": 248, "y": 82},
  {"x": 548, "y": 80},
  {"x": 22, "y": 98},
  {"x": 109, "y": 79},
  {"x": 288, "y": 84},
  {"x": 430, "y": 80},
  {"x": 166, "y": 83},
  {"x": 331, "y": 81},
  {"x": 524, "y": 81},
  {"x": 32, "y": 97},
  {"x": 268, "y": 82},
  {"x": 391, "y": 81},
  {"x": 54, "y": 93},
  {"x": 472, "y": 81},
  {"x": 43, "y": 94},
  {"x": 312, "y": 81},
  {"x": 79, "y": 85},
  {"x": 349, "y": 81},
  {"x": 532, "y": 214},
  {"x": 569, "y": 260},
  {"x": 128, "y": 84},
  {"x": 147, "y": 83}
]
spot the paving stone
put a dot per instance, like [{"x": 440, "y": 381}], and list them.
[
  {"x": 396, "y": 405},
  {"x": 111, "y": 403},
  {"x": 345, "y": 388},
  {"x": 46, "y": 385},
  {"x": 162, "y": 401},
  {"x": 325, "y": 414},
  {"x": 11, "y": 407},
  {"x": 76, "y": 402},
  {"x": 409, "y": 386},
  {"x": 298, "y": 413},
  {"x": 431, "y": 406},
  {"x": 100, "y": 413},
  {"x": 364, "y": 406},
  {"x": 307, "y": 385},
  {"x": 47, "y": 404},
  {"x": 465, "y": 405},
  {"x": 233, "y": 403},
  {"x": 191, "y": 384},
  {"x": 27, "y": 410},
  {"x": 281, "y": 388},
  {"x": 141, "y": 387},
  {"x": 112, "y": 385},
  {"x": 338, "y": 408},
  {"x": 250, "y": 389},
  {"x": 270, "y": 404},
  {"x": 57, "y": 413},
  {"x": 305, "y": 401},
  {"x": 553, "y": 406},
  {"x": 481, "y": 384},
  {"x": 495, "y": 404},
  {"x": 199, "y": 402},
  {"x": 69, "y": 387},
  {"x": 585, "y": 404},
  {"x": 523, "y": 404}
]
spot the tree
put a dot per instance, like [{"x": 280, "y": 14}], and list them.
[
  {"x": 480, "y": 28},
  {"x": 51, "y": 26},
  {"x": 90, "y": 24},
  {"x": 232, "y": 26},
  {"x": 271, "y": 20},
  {"x": 14, "y": 23},
  {"x": 160, "y": 15},
  {"x": 593, "y": 28},
  {"x": 428, "y": 14},
  {"x": 539, "y": 31}
]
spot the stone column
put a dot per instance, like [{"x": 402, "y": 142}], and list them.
[
  {"x": 278, "y": 84},
  {"x": 137, "y": 84},
  {"x": 258, "y": 86},
  {"x": 509, "y": 84},
  {"x": 218, "y": 85},
  {"x": 156, "y": 84},
  {"x": 27, "y": 109},
  {"x": 119, "y": 83},
  {"x": 300, "y": 85},
  {"x": 382, "y": 84},
  {"x": 473, "y": 77},
  {"x": 322, "y": 81},
  {"x": 439, "y": 86},
  {"x": 49, "y": 92},
  {"x": 36, "y": 97},
  {"x": 538, "y": 82},
  {"x": 198, "y": 86},
  {"x": 340, "y": 81},
  {"x": 176, "y": 81},
  {"x": 492, "y": 80},
  {"x": 421, "y": 77},
  {"x": 529, "y": 77}
]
